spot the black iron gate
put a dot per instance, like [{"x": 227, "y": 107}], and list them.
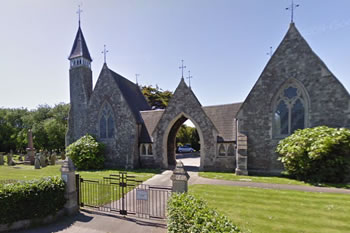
[{"x": 123, "y": 194}]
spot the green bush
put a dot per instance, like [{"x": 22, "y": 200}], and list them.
[
  {"x": 186, "y": 214},
  {"x": 86, "y": 153},
  {"x": 31, "y": 199},
  {"x": 319, "y": 154}
]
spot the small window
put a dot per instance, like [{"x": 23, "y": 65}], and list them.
[
  {"x": 231, "y": 150},
  {"x": 222, "y": 151},
  {"x": 150, "y": 151},
  {"x": 143, "y": 149}
]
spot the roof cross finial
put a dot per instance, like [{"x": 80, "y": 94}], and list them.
[
  {"x": 291, "y": 8},
  {"x": 105, "y": 53},
  {"x": 270, "y": 52},
  {"x": 189, "y": 78},
  {"x": 79, "y": 12},
  {"x": 137, "y": 75},
  {"x": 182, "y": 67}
]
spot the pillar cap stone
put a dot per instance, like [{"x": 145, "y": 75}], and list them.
[
  {"x": 179, "y": 172},
  {"x": 68, "y": 165}
]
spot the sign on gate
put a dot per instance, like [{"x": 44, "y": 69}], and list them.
[{"x": 141, "y": 194}]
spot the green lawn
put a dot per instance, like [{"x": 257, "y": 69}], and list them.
[
  {"x": 264, "y": 179},
  {"x": 272, "y": 211},
  {"x": 25, "y": 172}
]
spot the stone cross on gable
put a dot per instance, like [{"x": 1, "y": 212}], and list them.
[
  {"x": 79, "y": 12},
  {"x": 270, "y": 52},
  {"x": 182, "y": 67},
  {"x": 137, "y": 76},
  {"x": 189, "y": 78},
  {"x": 104, "y": 53},
  {"x": 291, "y": 8}
]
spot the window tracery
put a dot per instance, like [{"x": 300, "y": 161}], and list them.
[{"x": 290, "y": 110}]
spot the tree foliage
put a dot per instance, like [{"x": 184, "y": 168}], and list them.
[
  {"x": 156, "y": 97},
  {"x": 86, "y": 153},
  {"x": 188, "y": 135},
  {"x": 48, "y": 124},
  {"x": 319, "y": 154}
]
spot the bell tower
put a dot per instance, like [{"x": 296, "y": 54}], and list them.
[{"x": 80, "y": 85}]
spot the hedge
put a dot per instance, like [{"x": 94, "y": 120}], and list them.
[
  {"x": 31, "y": 199},
  {"x": 187, "y": 214}
]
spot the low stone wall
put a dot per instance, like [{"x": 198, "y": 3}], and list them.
[{"x": 24, "y": 224}]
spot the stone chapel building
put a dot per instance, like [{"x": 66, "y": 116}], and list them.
[{"x": 295, "y": 90}]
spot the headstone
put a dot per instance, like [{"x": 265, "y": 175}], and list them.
[
  {"x": 37, "y": 161},
  {"x": 63, "y": 155},
  {"x": 53, "y": 158},
  {"x": 42, "y": 159},
  {"x": 10, "y": 161},
  {"x": 1, "y": 158},
  {"x": 30, "y": 149},
  {"x": 20, "y": 158}
]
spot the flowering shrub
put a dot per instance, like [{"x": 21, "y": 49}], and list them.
[
  {"x": 319, "y": 154},
  {"x": 86, "y": 153}
]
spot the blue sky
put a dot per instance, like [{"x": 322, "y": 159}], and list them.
[{"x": 223, "y": 42}]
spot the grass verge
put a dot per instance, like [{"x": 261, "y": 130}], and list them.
[
  {"x": 265, "y": 179},
  {"x": 264, "y": 211}
]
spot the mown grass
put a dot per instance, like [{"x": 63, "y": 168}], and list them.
[
  {"x": 25, "y": 172},
  {"x": 264, "y": 210},
  {"x": 266, "y": 179}
]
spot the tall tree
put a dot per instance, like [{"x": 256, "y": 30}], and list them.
[{"x": 156, "y": 97}]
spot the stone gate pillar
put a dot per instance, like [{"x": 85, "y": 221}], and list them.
[
  {"x": 242, "y": 155},
  {"x": 68, "y": 175},
  {"x": 180, "y": 178}
]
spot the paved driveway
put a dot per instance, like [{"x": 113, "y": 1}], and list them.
[{"x": 98, "y": 222}]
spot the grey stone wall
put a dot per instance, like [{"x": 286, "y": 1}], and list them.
[
  {"x": 122, "y": 150},
  {"x": 80, "y": 82},
  {"x": 329, "y": 102}
]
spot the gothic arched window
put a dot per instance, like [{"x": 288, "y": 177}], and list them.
[
  {"x": 107, "y": 124},
  {"x": 150, "y": 151},
  {"x": 222, "y": 151},
  {"x": 231, "y": 150},
  {"x": 290, "y": 109}
]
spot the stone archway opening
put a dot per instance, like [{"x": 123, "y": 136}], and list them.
[{"x": 182, "y": 138}]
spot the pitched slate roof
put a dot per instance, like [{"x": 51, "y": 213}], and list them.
[
  {"x": 132, "y": 94},
  {"x": 223, "y": 117},
  {"x": 79, "y": 48},
  {"x": 151, "y": 119}
]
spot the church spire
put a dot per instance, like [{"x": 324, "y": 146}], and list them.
[{"x": 79, "y": 55}]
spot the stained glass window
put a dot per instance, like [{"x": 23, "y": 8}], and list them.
[
  {"x": 103, "y": 127},
  {"x": 289, "y": 114},
  {"x": 107, "y": 124}
]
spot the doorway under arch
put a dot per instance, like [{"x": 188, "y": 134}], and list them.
[{"x": 171, "y": 146}]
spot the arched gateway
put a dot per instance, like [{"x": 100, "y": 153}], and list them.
[{"x": 209, "y": 122}]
